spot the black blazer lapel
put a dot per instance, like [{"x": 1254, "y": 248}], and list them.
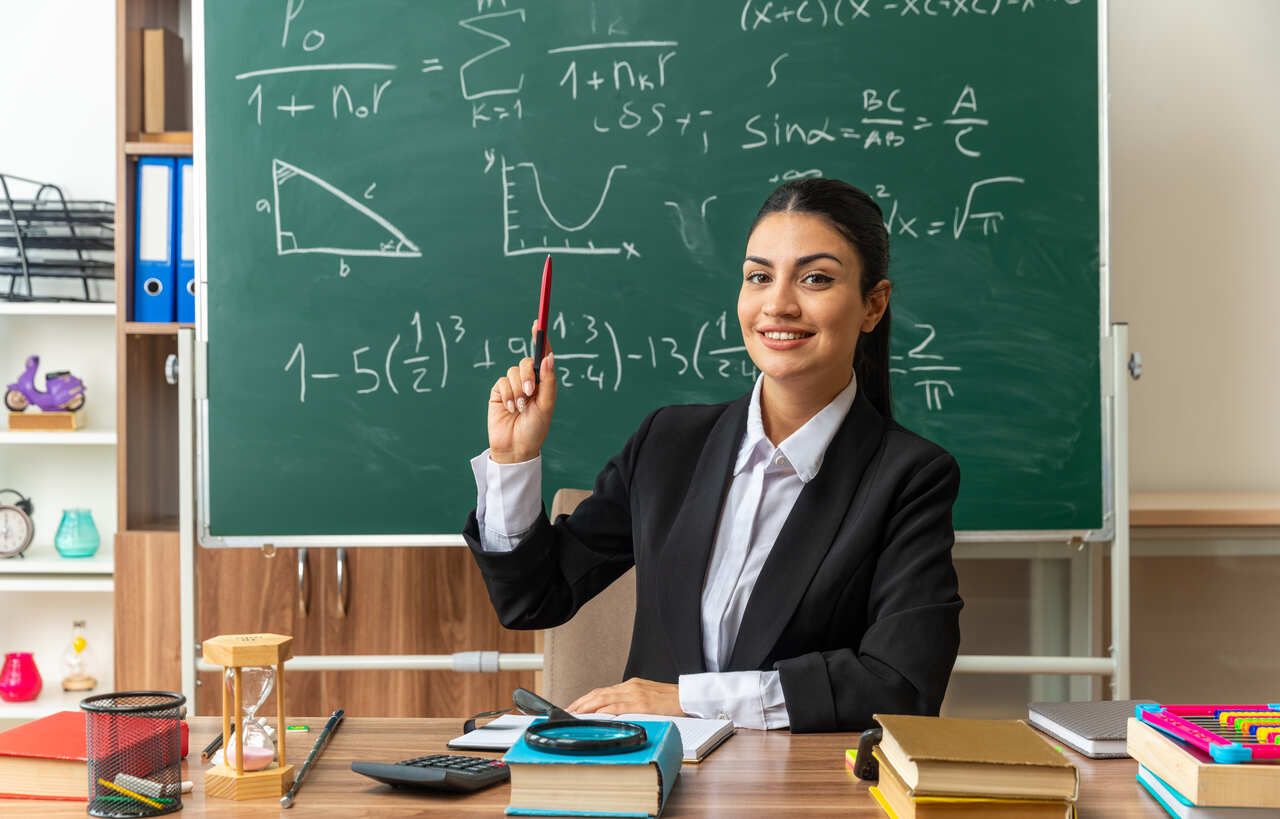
[
  {"x": 807, "y": 535},
  {"x": 683, "y": 563}
]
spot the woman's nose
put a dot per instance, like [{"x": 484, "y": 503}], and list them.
[{"x": 781, "y": 300}]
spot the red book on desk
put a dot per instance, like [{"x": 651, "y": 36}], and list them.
[{"x": 46, "y": 758}]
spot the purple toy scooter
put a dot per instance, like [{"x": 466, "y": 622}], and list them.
[{"x": 64, "y": 390}]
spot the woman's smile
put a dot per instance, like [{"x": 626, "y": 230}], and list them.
[{"x": 783, "y": 338}]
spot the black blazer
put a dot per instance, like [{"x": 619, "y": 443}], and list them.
[{"x": 856, "y": 606}]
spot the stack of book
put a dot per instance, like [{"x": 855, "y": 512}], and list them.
[
  {"x": 944, "y": 767},
  {"x": 1188, "y": 783},
  {"x": 636, "y": 782}
]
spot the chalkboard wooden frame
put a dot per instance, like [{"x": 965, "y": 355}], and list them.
[{"x": 1109, "y": 491}]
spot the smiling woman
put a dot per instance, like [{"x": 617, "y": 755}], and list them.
[
  {"x": 792, "y": 547},
  {"x": 810, "y": 306}
]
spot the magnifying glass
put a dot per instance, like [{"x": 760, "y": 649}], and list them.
[{"x": 564, "y": 733}]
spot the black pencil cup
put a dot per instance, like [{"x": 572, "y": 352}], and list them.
[{"x": 133, "y": 744}]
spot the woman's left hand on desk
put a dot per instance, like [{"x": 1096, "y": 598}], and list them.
[{"x": 635, "y": 696}]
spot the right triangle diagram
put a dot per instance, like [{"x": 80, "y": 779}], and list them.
[{"x": 313, "y": 216}]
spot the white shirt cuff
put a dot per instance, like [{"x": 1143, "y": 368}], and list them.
[
  {"x": 752, "y": 699},
  {"x": 508, "y": 500}
]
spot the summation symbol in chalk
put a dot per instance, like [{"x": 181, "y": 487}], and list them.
[{"x": 340, "y": 223}]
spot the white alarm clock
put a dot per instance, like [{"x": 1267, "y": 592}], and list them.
[{"x": 16, "y": 528}]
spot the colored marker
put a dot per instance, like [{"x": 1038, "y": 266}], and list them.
[
  {"x": 544, "y": 313},
  {"x": 144, "y": 800}
]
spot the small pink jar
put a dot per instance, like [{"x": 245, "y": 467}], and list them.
[{"x": 19, "y": 678}]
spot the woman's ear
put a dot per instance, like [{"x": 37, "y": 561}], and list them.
[{"x": 877, "y": 301}]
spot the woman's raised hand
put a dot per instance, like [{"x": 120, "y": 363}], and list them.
[{"x": 520, "y": 411}]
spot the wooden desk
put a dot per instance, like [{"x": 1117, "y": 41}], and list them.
[
  {"x": 753, "y": 774},
  {"x": 1204, "y": 509}
]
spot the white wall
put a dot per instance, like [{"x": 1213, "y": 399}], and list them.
[
  {"x": 1195, "y": 225},
  {"x": 57, "y": 100},
  {"x": 57, "y": 124}
]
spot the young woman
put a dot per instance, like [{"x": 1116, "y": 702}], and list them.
[{"x": 792, "y": 547}]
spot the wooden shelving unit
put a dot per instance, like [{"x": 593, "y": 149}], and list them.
[
  {"x": 146, "y": 415},
  {"x": 146, "y": 553}
]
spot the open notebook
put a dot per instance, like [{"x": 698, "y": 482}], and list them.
[{"x": 699, "y": 736}]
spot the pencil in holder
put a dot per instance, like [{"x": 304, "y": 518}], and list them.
[{"x": 133, "y": 742}]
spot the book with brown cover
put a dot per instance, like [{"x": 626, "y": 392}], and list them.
[
  {"x": 907, "y": 805},
  {"x": 132, "y": 82},
  {"x": 163, "y": 83},
  {"x": 1193, "y": 773},
  {"x": 948, "y": 756},
  {"x": 46, "y": 758}
]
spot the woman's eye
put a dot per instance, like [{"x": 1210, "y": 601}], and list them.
[
  {"x": 758, "y": 277},
  {"x": 818, "y": 278}
]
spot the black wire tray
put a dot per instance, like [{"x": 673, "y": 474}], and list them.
[{"x": 53, "y": 238}]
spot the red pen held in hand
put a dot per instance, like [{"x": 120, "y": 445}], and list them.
[{"x": 540, "y": 331}]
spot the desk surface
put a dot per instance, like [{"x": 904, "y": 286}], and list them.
[
  {"x": 755, "y": 773},
  {"x": 1204, "y": 509}
]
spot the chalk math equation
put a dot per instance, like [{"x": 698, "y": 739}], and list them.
[
  {"x": 841, "y": 13},
  {"x": 589, "y": 354},
  {"x": 624, "y": 80}
]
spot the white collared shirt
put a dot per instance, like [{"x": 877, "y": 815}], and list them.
[{"x": 766, "y": 482}]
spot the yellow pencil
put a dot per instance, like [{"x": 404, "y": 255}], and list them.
[{"x": 113, "y": 786}]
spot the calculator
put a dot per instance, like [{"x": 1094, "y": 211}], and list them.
[{"x": 438, "y": 772}]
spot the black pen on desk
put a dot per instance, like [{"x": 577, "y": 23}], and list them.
[
  {"x": 212, "y": 747},
  {"x": 317, "y": 748}
]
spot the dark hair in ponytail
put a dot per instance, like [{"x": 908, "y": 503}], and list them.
[{"x": 859, "y": 219}]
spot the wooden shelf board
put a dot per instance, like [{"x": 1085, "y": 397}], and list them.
[
  {"x": 56, "y": 308},
  {"x": 157, "y": 149},
  {"x": 43, "y": 558},
  {"x": 150, "y": 328},
  {"x": 80, "y": 437},
  {"x": 1204, "y": 509},
  {"x": 153, "y": 328},
  {"x": 165, "y": 524}
]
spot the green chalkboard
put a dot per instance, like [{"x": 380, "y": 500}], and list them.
[{"x": 383, "y": 179}]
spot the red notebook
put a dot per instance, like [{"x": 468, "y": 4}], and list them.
[{"x": 46, "y": 759}]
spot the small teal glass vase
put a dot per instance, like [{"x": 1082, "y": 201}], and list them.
[{"x": 77, "y": 536}]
